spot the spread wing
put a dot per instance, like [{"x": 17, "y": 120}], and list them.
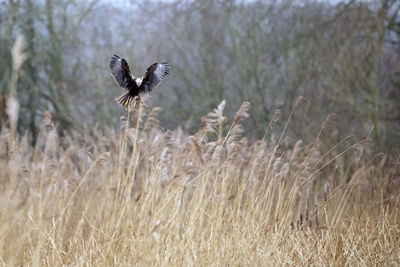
[
  {"x": 120, "y": 71},
  {"x": 154, "y": 76}
]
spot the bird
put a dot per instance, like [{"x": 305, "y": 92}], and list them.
[{"x": 136, "y": 86}]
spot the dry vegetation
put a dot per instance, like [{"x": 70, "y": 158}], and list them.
[
  {"x": 143, "y": 195},
  {"x": 147, "y": 196}
]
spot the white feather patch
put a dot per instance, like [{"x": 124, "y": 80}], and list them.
[{"x": 138, "y": 81}]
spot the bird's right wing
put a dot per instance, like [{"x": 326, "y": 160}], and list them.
[
  {"x": 120, "y": 71},
  {"x": 154, "y": 76}
]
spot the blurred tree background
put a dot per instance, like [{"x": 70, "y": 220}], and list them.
[{"x": 342, "y": 56}]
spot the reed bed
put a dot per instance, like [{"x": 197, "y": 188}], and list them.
[{"x": 142, "y": 195}]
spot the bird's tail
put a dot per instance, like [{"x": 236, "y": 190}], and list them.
[{"x": 125, "y": 100}]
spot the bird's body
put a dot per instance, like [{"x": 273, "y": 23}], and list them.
[{"x": 136, "y": 86}]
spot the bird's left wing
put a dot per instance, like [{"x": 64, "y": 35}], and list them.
[
  {"x": 154, "y": 76},
  {"x": 120, "y": 71}
]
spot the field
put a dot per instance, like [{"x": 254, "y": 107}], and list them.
[
  {"x": 141, "y": 195},
  {"x": 273, "y": 139}
]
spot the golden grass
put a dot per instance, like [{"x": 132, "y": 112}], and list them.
[{"x": 144, "y": 196}]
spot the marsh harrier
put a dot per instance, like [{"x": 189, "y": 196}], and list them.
[{"x": 136, "y": 86}]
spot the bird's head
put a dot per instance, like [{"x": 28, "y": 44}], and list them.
[{"x": 138, "y": 81}]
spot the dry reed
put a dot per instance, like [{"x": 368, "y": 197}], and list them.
[
  {"x": 151, "y": 197},
  {"x": 145, "y": 196}
]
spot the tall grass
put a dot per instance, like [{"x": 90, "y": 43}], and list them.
[
  {"x": 145, "y": 196},
  {"x": 142, "y": 195}
]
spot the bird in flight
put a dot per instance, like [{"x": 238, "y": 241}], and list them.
[{"x": 136, "y": 86}]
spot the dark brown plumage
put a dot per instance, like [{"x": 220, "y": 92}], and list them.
[{"x": 136, "y": 86}]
